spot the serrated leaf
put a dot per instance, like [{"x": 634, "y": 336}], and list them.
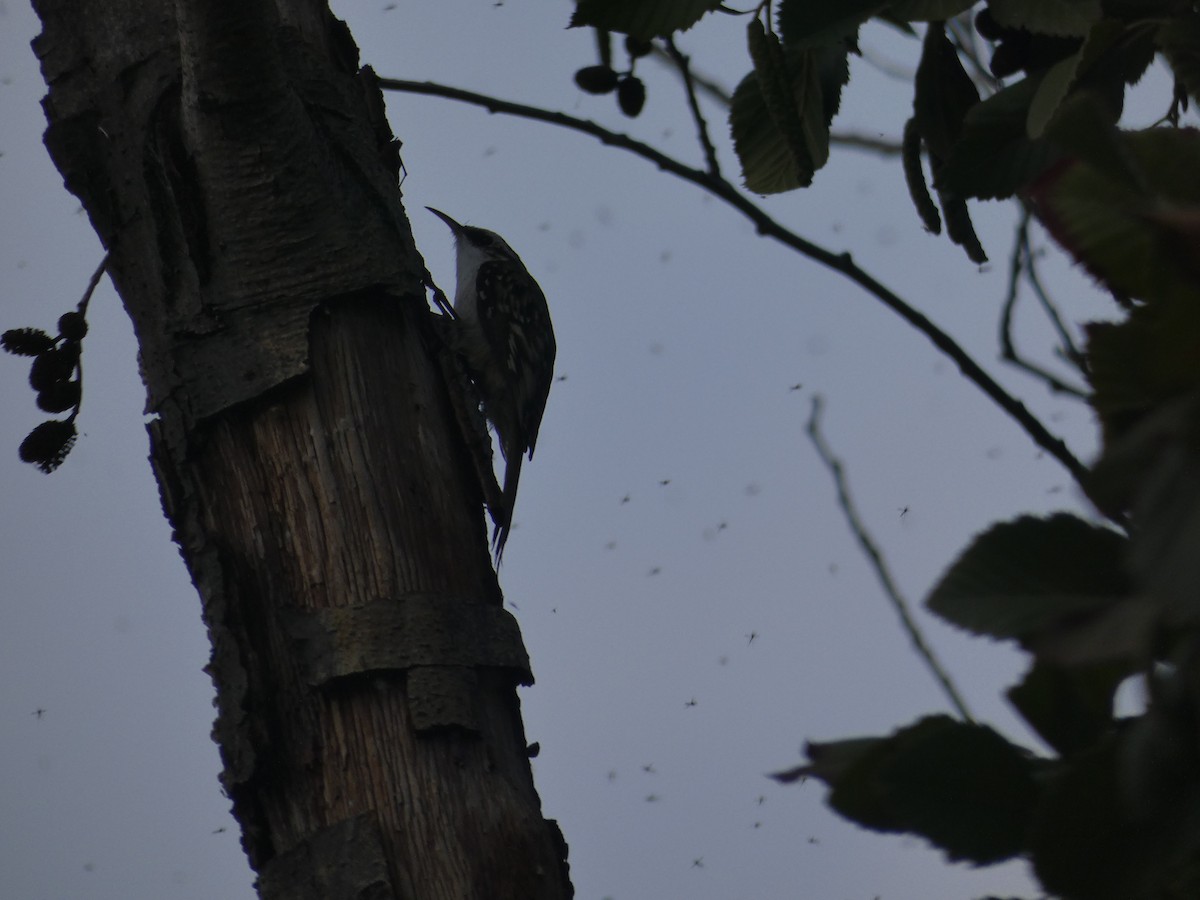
[
  {"x": 1135, "y": 365},
  {"x": 1064, "y": 74},
  {"x": 1050, "y": 93},
  {"x": 642, "y": 19},
  {"x": 1079, "y": 821},
  {"x": 833, "y": 72},
  {"x": 861, "y": 795},
  {"x": 1085, "y": 128},
  {"x": 828, "y": 761},
  {"x": 1020, "y": 578},
  {"x": 784, "y": 93},
  {"x": 768, "y": 166},
  {"x": 1069, "y": 708},
  {"x": 1154, "y": 472},
  {"x": 994, "y": 157},
  {"x": 928, "y": 10},
  {"x": 959, "y": 785},
  {"x": 1143, "y": 239},
  {"x": 1099, "y": 834},
  {"x": 1054, "y": 17},
  {"x": 964, "y": 788},
  {"x": 1117, "y": 634},
  {"x": 815, "y": 23},
  {"x": 773, "y": 161}
]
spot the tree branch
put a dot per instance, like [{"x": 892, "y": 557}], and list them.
[
  {"x": 1018, "y": 263},
  {"x": 685, "y": 73},
  {"x": 1069, "y": 351},
  {"x": 716, "y": 91},
  {"x": 872, "y": 143},
  {"x": 875, "y": 557},
  {"x": 842, "y": 263}
]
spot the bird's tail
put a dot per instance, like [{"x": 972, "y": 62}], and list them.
[{"x": 512, "y": 474}]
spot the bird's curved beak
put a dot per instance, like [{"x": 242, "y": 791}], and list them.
[{"x": 454, "y": 226}]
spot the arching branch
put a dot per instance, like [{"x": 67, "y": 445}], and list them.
[{"x": 842, "y": 263}]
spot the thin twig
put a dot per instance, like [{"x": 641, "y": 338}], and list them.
[
  {"x": 878, "y": 144},
  {"x": 843, "y": 263},
  {"x": 716, "y": 91},
  {"x": 879, "y": 564},
  {"x": 92, "y": 283},
  {"x": 439, "y": 297},
  {"x": 1008, "y": 349},
  {"x": 1069, "y": 349},
  {"x": 82, "y": 307},
  {"x": 683, "y": 64}
]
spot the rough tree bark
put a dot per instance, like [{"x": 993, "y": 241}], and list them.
[{"x": 237, "y": 165}]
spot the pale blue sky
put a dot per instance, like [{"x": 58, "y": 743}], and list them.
[{"x": 680, "y": 334}]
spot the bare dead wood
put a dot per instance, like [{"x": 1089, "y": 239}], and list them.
[{"x": 237, "y": 165}]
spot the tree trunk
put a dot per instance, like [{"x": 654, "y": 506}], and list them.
[{"x": 237, "y": 165}]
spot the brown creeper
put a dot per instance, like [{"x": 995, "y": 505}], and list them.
[{"x": 506, "y": 339}]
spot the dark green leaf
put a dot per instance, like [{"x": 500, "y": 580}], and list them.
[
  {"x": 1111, "y": 56},
  {"x": 830, "y": 759},
  {"x": 1141, "y": 362},
  {"x": 1130, "y": 211},
  {"x": 808, "y": 84},
  {"x": 959, "y": 785},
  {"x": 963, "y": 787},
  {"x": 1022, "y": 577},
  {"x": 642, "y": 19},
  {"x": 785, "y": 93},
  {"x": 814, "y": 23},
  {"x": 1101, "y": 834},
  {"x": 1069, "y": 708},
  {"x": 928, "y": 10},
  {"x": 1055, "y": 17},
  {"x": 1153, "y": 471},
  {"x": 994, "y": 157},
  {"x": 1084, "y": 127}
]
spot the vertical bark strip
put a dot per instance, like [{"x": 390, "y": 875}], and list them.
[{"x": 235, "y": 161}]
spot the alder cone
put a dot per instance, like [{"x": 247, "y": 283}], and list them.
[
  {"x": 596, "y": 79},
  {"x": 631, "y": 96}
]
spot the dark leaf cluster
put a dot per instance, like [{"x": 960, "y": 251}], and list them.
[
  {"x": 1107, "y": 809},
  {"x": 1109, "y": 813}
]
